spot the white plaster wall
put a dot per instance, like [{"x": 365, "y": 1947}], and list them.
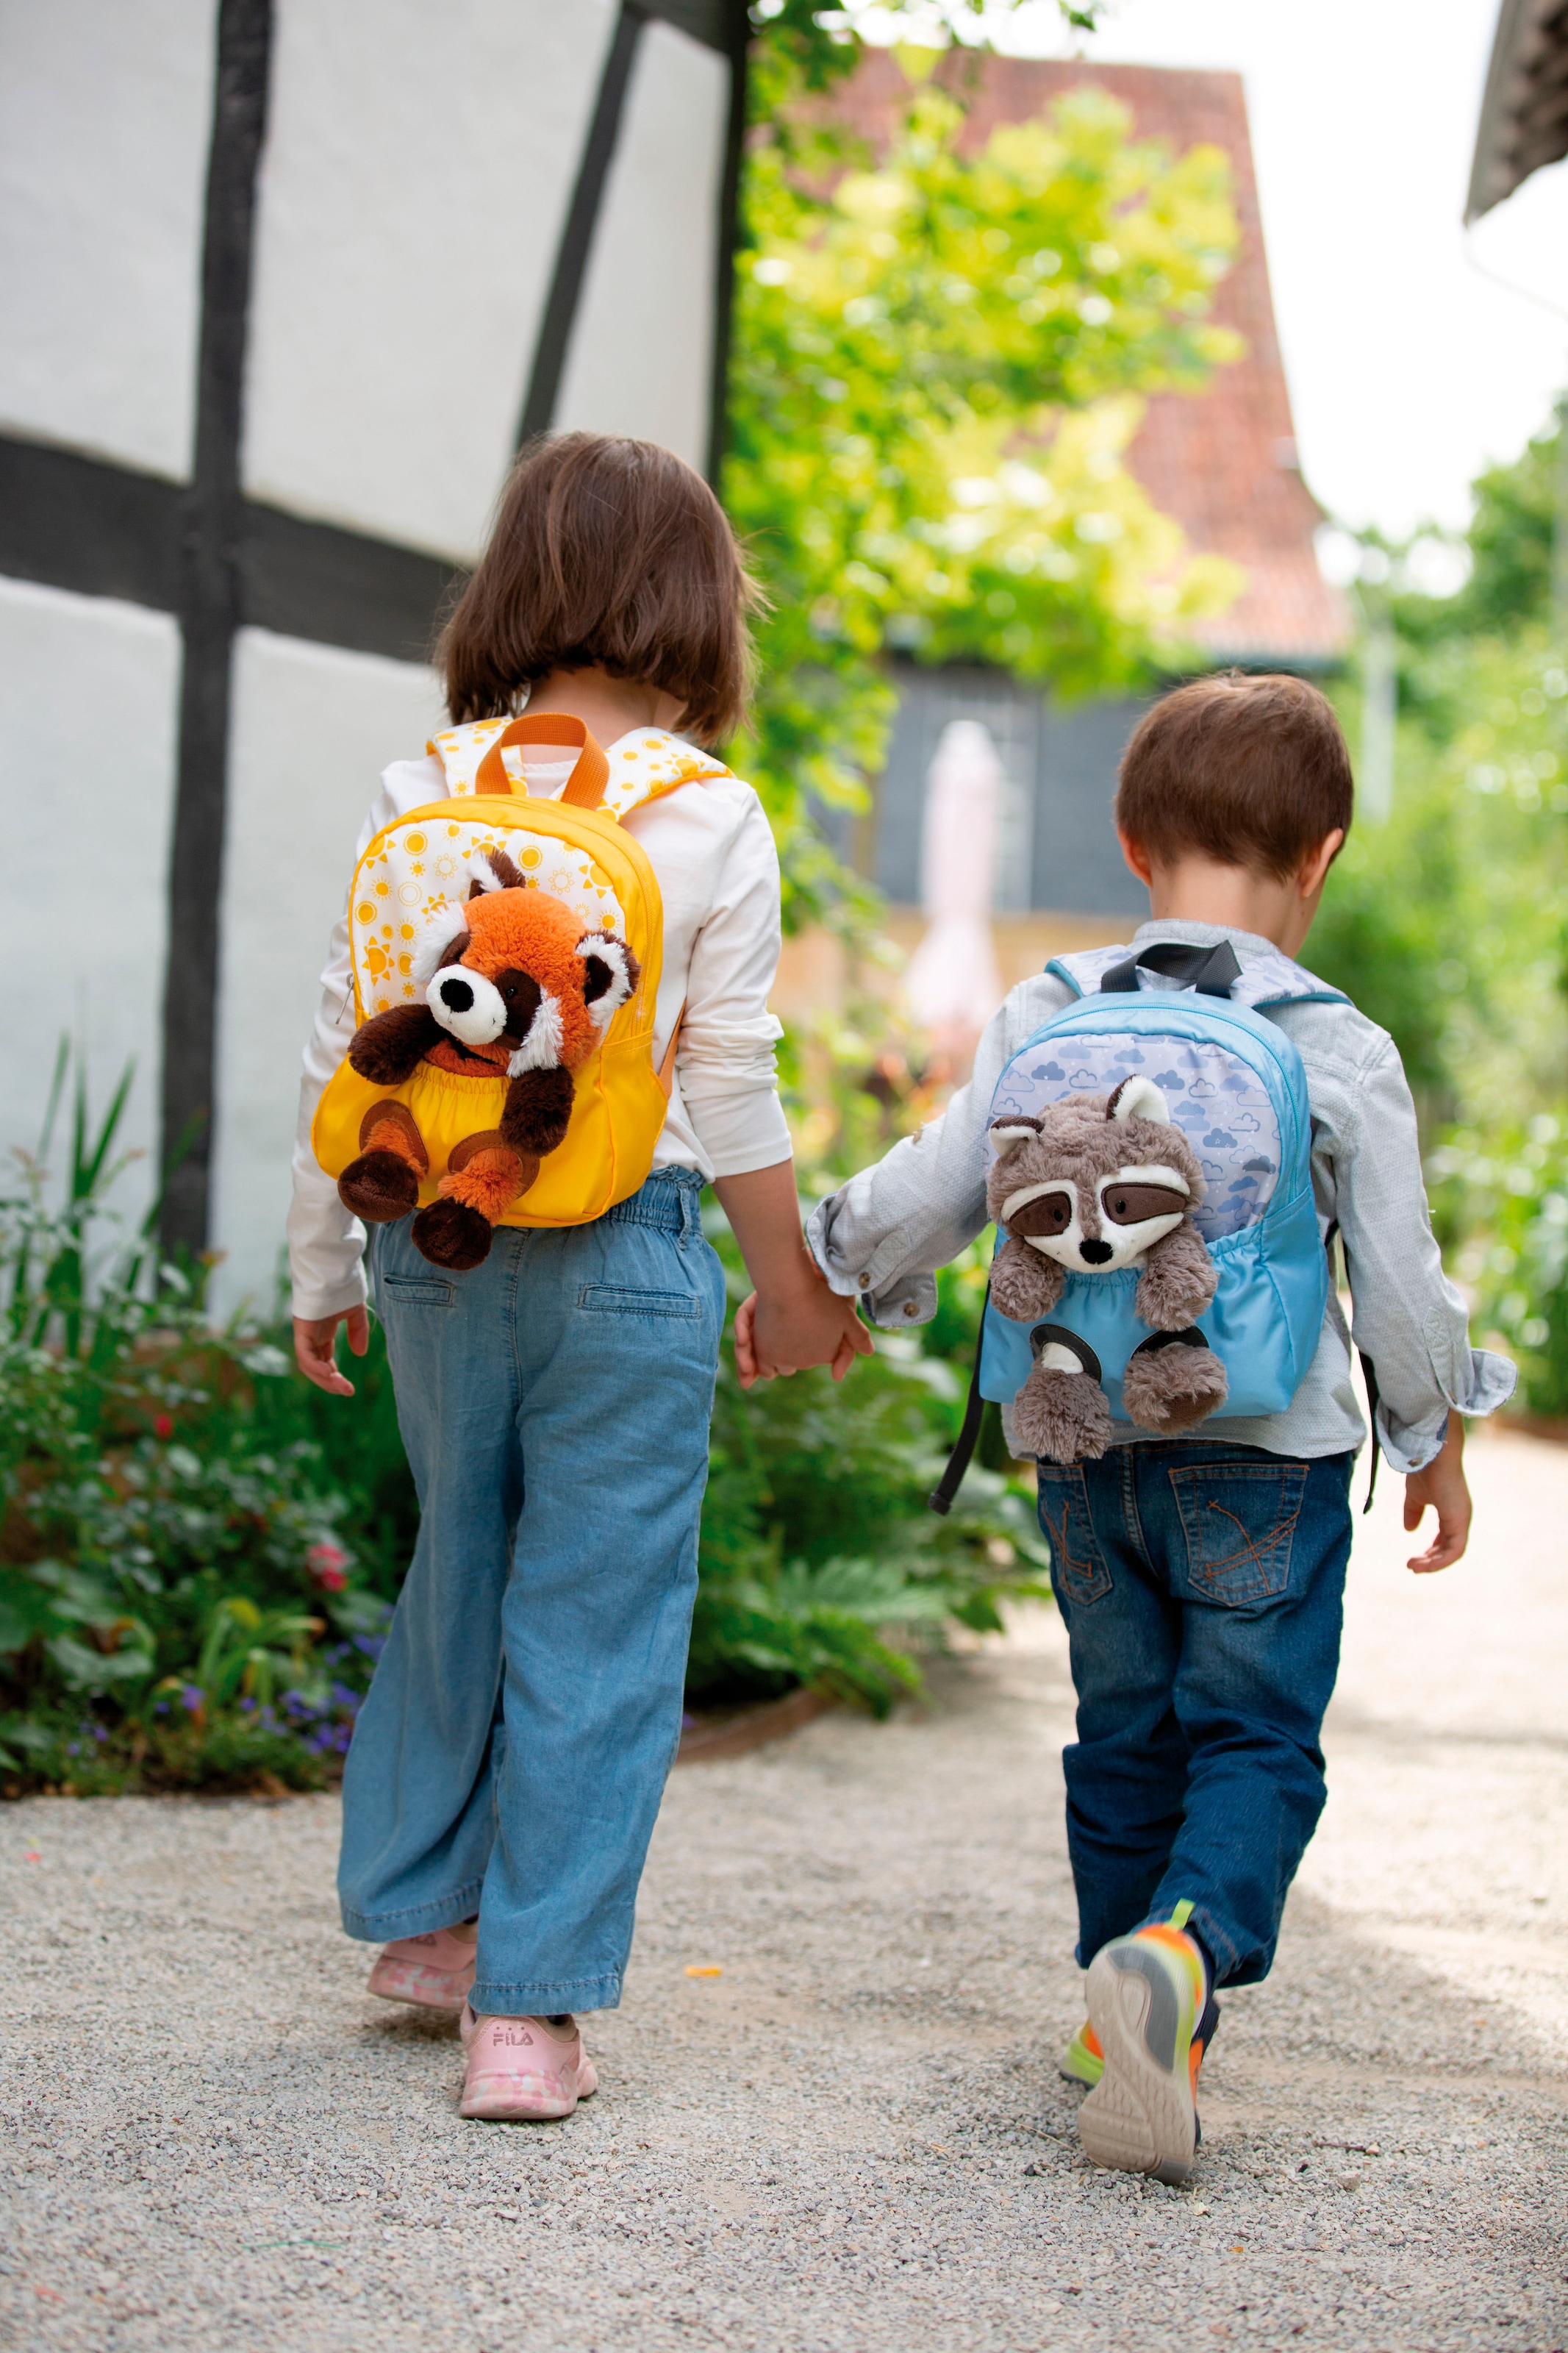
[
  {"x": 419, "y": 163},
  {"x": 89, "y": 702},
  {"x": 105, "y": 116},
  {"x": 642, "y": 353},
  {"x": 312, "y": 730}
]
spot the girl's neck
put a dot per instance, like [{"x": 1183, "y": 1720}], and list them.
[{"x": 609, "y": 707}]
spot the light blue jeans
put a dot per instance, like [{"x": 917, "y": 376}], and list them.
[{"x": 513, "y": 1748}]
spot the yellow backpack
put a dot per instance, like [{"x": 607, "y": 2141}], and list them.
[{"x": 572, "y": 845}]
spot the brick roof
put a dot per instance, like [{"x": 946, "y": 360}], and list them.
[{"x": 1222, "y": 462}]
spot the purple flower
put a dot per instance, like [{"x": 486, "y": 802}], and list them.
[{"x": 193, "y": 1696}]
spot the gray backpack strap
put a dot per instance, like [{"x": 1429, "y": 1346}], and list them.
[{"x": 1210, "y": 971}]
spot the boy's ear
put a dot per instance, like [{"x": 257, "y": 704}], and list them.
[
  {"x": 1137, "y": 858},
  {"x": 1314, "y": 869}
]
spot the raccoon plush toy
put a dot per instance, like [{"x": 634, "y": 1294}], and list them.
[{"x": 1098, "y": 1184}]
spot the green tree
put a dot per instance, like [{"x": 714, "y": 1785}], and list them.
[
  {"x": 940, "y": 361},
  {"x": 1510, "y": 543}
]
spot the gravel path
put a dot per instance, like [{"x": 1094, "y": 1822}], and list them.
[{"x": 855, "y": 2136}]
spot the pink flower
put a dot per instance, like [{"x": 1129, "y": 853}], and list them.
[
  {"x": 162, "y": 1425},
  {"x": 327, "y": 1562}
]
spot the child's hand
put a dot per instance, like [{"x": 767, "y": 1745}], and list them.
[
  {"x": 1441, "y": 1484},
  {"x": 313, "y": 1342},
  {"x": 813, "y": 1327}
]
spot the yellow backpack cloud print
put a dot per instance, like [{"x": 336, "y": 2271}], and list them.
[{"x": 505, "y": 948}]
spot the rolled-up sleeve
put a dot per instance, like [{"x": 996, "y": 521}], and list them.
[
  {"x": 880, "y": 1236},
  {"x": 726, "y": 1063},
  {"x": 1410, "y": 1321}
]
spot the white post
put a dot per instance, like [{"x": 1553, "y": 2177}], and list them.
[
  {"x": 1379, "y": 712},
  {"x": 953, "y": 986}
]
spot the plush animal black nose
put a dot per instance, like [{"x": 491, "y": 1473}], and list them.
[
  {"x": 456, "y": 996},
  {"x": 1095, "y": 1253}
]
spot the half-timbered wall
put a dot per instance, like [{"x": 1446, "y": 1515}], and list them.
[{"x": 282, "y": 285}]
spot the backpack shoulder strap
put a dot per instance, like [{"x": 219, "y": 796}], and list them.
[
  {"x": 642, "y": 766},
  {"x": 1258, "y": 981}
]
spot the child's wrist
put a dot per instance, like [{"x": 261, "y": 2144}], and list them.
[{"x": 799, "y": 1281}]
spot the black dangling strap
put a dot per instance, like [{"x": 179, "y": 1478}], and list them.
[
  {"x": 1210, "y": 971},
  {"x": 958, "y": 1462},
  {"x": 1368, "y": 1373},
  {"x": 1370, "y": 1377}
]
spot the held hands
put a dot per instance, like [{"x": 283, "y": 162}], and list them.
[
  {"x": 1441, "y": 1484},
  {"x": 314, "y": 1342},
  {"x": 811, "y": 1326}
]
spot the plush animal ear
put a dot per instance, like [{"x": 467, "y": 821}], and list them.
[
  {"x": 610, "y": 973},
  {"x": 1139, "y": 1099},
  {"x": 1009, "y": 1132},
  {"x": 492, "y": 870},
  {"x": 442, "y": 930}
]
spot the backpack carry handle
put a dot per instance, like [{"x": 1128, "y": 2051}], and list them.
[
  {"x": 958, "y": 1462},
  {"x": 585, "y": 787},
  {"x": 1210, "y": 971}
]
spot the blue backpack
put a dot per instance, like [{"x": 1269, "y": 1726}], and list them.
[{"x": 1193, "y": 1020}]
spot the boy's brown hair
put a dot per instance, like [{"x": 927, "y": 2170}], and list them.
[
  {"x": 610, "y": 552},
  {"x": 1247, "y": 771}
]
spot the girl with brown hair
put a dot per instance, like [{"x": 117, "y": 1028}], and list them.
[{"x": 508, "y": 1763}]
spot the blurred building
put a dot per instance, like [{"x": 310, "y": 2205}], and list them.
[
  {"x": 283, "y": 283},
  {"x": 1524, "y": 109},
  {"x": 1223, "y": 462}
]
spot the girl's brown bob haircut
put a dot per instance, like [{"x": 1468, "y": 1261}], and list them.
[
  {"x": 606, "y": 552},
  {"x": 1247, "y": 771}
]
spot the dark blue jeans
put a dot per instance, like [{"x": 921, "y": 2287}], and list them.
[{"x": 1202, "y": 1586}]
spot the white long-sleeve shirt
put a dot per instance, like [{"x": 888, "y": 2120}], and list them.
[
  {"x": 713, "y": 856},
  {"x": 879, "y": 1238}
]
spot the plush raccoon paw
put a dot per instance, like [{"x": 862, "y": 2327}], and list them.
[
  {"x": 1173, "y": 1383},
  {"x": 451, "y": 1235},
  {"x": 1062, "y": 1416},
  {"x": 379, "y": 1186}
]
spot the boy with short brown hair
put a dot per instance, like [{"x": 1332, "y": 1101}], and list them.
[{"x": 1196, "y": 1778}]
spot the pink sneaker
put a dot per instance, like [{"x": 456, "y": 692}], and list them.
[
  {"x": 434, "y": 1971},
  {"x": 524, "y": 2067}
]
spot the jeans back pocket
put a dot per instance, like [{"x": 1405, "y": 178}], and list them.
[
  {"x": 610, "y": 1299},
  {"x": 1079, "y": 1568},
  {"x": 412, "y": 1290},
  {"x": 1239, "y": 1520}
]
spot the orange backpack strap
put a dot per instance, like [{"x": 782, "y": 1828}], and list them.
[
  {"x": 667, "y": 1068},
  {"x": 585, "y": 785}
]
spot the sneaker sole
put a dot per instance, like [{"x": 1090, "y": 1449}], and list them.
[
  {"x": 515, "y": 2106},
  {"x": 415, "y": 1996},
  {"x": 1138, "y": 2118}
]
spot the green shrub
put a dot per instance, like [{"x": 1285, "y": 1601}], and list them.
[
  {"x": 177, "y": 1599},
  {"x": 1507, "y": 1190},
  {"x": 198, "y": 1548}
]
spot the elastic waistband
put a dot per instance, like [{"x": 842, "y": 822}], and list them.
[{"x": 671, "y": 1200}]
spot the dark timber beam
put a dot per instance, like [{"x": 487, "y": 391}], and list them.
[
  {"x": 578, "y": 233},
  {"x": 83, "y": 525},
  {"x": 209, "y": 610}
]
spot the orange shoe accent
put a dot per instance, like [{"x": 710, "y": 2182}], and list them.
[{"x": 1091, "y": 2041}]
